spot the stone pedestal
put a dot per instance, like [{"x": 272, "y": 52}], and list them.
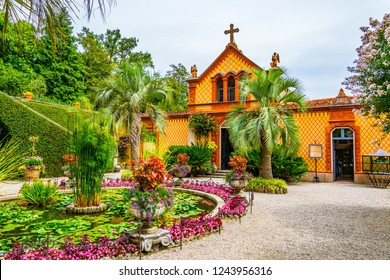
[{"x": 149, "y": 239}]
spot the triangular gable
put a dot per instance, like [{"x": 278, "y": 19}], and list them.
[
  {"x": 225, "y": 55},
  {"x": 230, "y": 62}
]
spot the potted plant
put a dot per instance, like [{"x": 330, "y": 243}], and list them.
[
  {"x": 181, "y": 169},
  {"x": 149, "y": 196},
  {"x": 238, "y": 177},
  {"x": 28, "y": 95},
  {"x": 33, "y": 165}
]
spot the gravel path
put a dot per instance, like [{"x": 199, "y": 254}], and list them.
[{"x": 313, "y": 221}]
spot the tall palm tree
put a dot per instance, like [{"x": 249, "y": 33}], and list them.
[
  {"x": 270, "y": 120},
  {"x": 129, "y": 93}
]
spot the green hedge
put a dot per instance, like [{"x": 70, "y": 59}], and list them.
[
  {"x": 61, "y": 114},
  {"x": 274, "y": 186},
  {"x": 24, "y": 122},
  {"x": 57, "y": 113}
]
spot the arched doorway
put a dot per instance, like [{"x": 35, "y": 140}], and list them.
[
  {"x": 343, "y": 153},
  {"x": 226, "y": 147}
]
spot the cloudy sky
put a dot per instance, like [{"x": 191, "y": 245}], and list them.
[{"x": 316, "y": 40}]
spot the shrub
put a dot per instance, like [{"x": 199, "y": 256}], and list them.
[
  {"x": 274, "y": 186},
  {"x": 285, "y": 165},
  {"x": 39, "y": 193},
  {"x": 23, "y": 122},
  {"x": 94, "y": 147},
  {"x": 200, "y": 157},
  {"x": 12, "y": 154},
  {"x": 126, "y": 175},
  {"x": 202, "y": 124},
  {"x": 288, "y": 166}
]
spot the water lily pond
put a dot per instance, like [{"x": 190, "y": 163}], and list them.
[{"x": 29, "y": 225}]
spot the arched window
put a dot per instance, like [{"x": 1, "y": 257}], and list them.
[
  {"x": 231, "y": 88},
  {"x": 220, "y": 90}
]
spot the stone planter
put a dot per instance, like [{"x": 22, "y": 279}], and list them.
[
  {"x": 147, "y": 227},
  {"x": 31, "y": 175},
  {"x": 179, "y": 181},
  {"x": 238, "y": 185}
]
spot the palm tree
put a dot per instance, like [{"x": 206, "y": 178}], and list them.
[
  {"x": 270, "y": 120},
  {"x": 48, "y": 11},
  {"x": 129, "y": 93}
]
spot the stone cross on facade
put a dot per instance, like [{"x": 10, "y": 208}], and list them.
[{"x": 232, "y": 30}]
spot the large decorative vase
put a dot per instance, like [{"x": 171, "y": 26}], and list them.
[
  {"x": 142, "y": 215},
  {"x": 238, "y": 185},
  {"x": 149, "y": 234},
  {"x": 31, "y": 175},
  {"x": 179, "y": 180}
]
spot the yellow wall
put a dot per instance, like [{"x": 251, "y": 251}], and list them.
[
  {"x": 176, "y": 133},
  {"x": 312, "y": 131},
  {"x": 370, "y": 133}
]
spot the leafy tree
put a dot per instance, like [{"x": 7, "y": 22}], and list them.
[
  {"x": 370, "y": 81},
  {"x": 96, "y": 60},
  {"x": 17, "y": 55},
  {"x": 176, "y": 80},
  {"x": 271, "y": 120},
  {"x": 63, "y": 70},
  {"x": 128, "y": 94},
  {"x": 120, "y": 49},
  {"x": 12, "y": 81}
]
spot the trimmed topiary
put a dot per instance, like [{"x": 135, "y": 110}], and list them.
[{"x": 273, "y": 186}]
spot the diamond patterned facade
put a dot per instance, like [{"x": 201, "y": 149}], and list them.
[{"x": 330, "y": 122}]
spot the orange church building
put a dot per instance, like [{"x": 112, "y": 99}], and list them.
[{"x": 329, "y": 124}]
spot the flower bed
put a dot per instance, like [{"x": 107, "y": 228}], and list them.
[
  {"x": 220, "y": 190},
  {"x": 106, "y": 248},
  {"x": 86, "y": 250}
]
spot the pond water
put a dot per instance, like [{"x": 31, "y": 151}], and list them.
[{"x": 31, "y": 226}]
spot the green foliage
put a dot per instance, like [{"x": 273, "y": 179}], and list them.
[
  {"x": 56, "y": 112},
  {"x": 23, "y": 122},
  {"x": 39, "y": 193},
  {"x": 130, "y": 92},
  {"x": 285, "y": 165},
  {"x": 126, "y": 175},
  {"x": 200, "y": 157},
  {"x": 64, "y": 70},
  {"x": 96, "y": 60},
  {"x": 202, "y": 124},
  {"x": 176, "y": 80},
  {"x": 13, "y": 81},
  {"x": 274, "y": 186},
  {"x": 120, "y": 48},
  {"x": 94, "y": 147},
  {"x": 288, "y": 166},
  {"x": 12, "y": 153},
  {"x": 271, "y": 122}
]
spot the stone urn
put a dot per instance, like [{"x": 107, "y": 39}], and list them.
[
  {"x": 148, "y": 234},
  {"x": 238, "y": 185},
  {"x": 143, "y": 216}
]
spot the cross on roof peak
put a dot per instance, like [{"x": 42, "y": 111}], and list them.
[{"x": 232, "y": 30}]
